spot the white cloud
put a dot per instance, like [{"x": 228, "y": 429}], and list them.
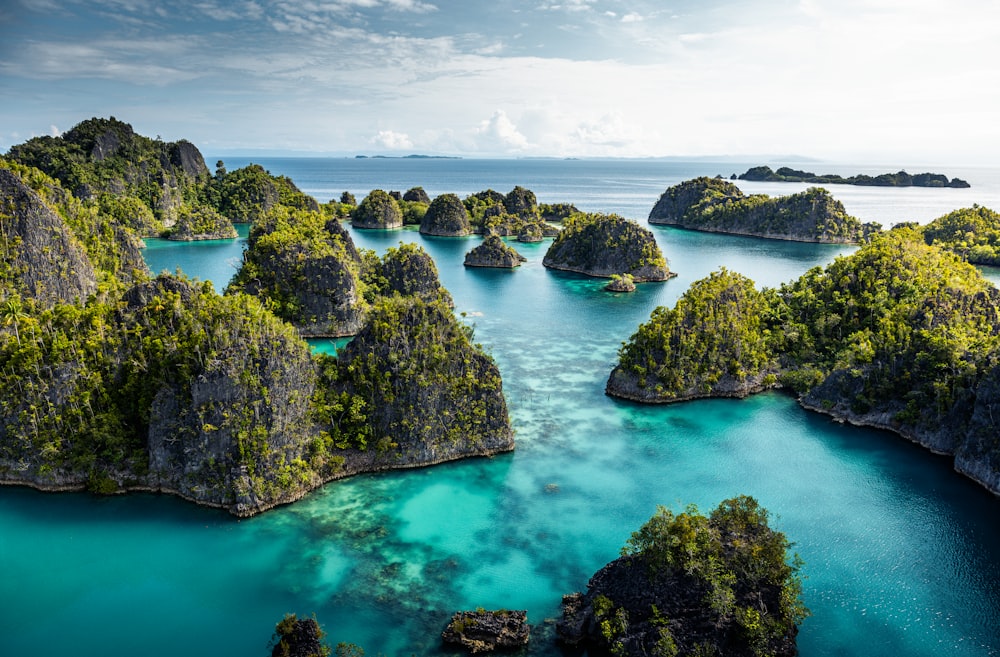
[
  {"x": 54, "y": 131},
  {"x": 392, "y": 140},
  {"x": 632, "y": 17},
  {"x": 498, "y": 134}
]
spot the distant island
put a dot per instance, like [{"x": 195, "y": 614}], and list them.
[
  {"x": 899, "y": 179},
  {"x": 407, "y": 157}
]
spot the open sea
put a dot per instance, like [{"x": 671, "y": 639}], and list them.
[{"x": 902, "y": 555}]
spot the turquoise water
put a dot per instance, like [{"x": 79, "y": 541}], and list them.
[{"x": 902, "y": 555}]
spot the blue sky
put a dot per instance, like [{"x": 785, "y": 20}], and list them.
[{"x": 879, "y": 81}]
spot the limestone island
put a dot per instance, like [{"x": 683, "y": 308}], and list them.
[
  {"x": 971, "y": 233},
  {"x": 112, "y": 380},
  {"x": 718, "y": 206},
  {"x": 514, "y": 214},
  {"x": 493, "y": 252},
  {"x": 377, "y": 210},
  {"x": 690, "y": 584},
  {"x": 604, "y": 245},
  {"x": 899, "y": 179},
  {"x": 899, "y": 336}
]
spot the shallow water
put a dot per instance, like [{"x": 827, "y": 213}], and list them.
[{"x": 902, "y": 555}]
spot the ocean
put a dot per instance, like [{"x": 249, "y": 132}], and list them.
[{"x": 902, "y": 555}]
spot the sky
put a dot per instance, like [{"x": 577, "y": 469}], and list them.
[{"x": 881, "y": 81}]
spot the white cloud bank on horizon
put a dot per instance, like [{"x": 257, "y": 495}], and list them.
[{"x": 876, "y": 80}]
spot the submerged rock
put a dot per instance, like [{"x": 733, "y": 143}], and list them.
[{"x": 486, "y": 631}]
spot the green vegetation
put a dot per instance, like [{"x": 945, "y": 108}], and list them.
[
  {"x": 377, "y": 210},
  {"x": 899, "y": 334},
  {"x": 306, "y": 270},
  {"x": 716, "y": 205},
  {"x": 112, "y": 381},
  {"x": 603, "y": 245},
  {"x": 715, "y": 337},
  {"x": 973, "y": 233},
  {"x": 513, "y": 214},
  {"x": 446, "y": 216},
  {"x": 200, "y": 222},
  {"x": 690, "y": 584},
  {"x": 899, "y": 179},
  {"x": 294, "y": 637}
]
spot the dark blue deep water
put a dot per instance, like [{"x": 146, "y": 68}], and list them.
[{"x": 902, "y": 555}]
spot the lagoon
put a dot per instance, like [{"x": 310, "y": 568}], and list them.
[{"x": 902, "y": 555}]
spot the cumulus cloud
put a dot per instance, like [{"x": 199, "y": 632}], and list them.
[
  {"x": 392, "y": 140},
  {"x": 498, "y": 133},
  {"x": 54, "y": 131}
]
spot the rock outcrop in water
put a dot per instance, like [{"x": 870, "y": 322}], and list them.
[
  {"x": 718, "y": 206},
  {"x": 493, "y": 252},
  {"x": 604, "y": 245},
  {"x": 202, "y": 223},
  {"x": 899, "y": 336},
  {"x": 692, "y": 585},
  {"x": 377, "y": 210},
  {"x": 446, "y": 217},
  {"x": 488, "y": 631}
]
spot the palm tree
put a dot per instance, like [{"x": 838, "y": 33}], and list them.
[{"x": 13, "y": 312}]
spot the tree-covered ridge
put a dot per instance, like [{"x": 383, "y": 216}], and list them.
[
  {"x": 691, "y": 584},
  {"x": 123, "y": 383},
  {"x": 607, "y": 244},
  {"x": 898, "y": 335},
  {"x": 149, "y": 185},
  {"x": 898, "y": 179},
  {"x": 973, "y": 233},
  {"x": 716, "y": 205}
]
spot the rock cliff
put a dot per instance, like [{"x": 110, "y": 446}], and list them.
[
  {"x": 41, "y": 258},
  {"x": 603, "y": 245}
]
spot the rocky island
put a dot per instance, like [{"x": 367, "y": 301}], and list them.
[
  {"x": 446, "y": 216},
  {"x": 605, "y": 245},
  {"x": 971, "y": 233},
  {"x": 718, "y": 206},
  {"x": 113, "y": 381},
  {"x": 899, "y": 179},
  {"x": 900, "y": 336},
  {"x": 687, "y": 584},
  {"x": 493, "y": 252},
  {"x": 377, "y": 210}
]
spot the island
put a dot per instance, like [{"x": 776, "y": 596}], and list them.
[
  {"x": 899, "y": 179},
  {"x": 446, "y": 216},
  {"x": 604, "y": 245},
  {"x": 971, "y": 233},
  {"x": 899, "y": 335},
  {"x": 113, "y": 381},
  {"x": 690, "y": 584},
  {"x": 718, "y": 206},
  {"x": 377, "y": 210},
  {"x": 514, "y": 214},
  {"x": 493, "y": 252}
]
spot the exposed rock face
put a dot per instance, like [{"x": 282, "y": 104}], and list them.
[
  {"x": 186, "y": 155},
  {"x": 520, "y": 201},
  {"x": 377, "y": 210},
  {"x": 603, "y": 245},
  {"x": 43, "y": 259},
  {"x": 493, "y": 252},
  {"x": 486, "y": 631},
  {"x": 978, "y": 454},
  {"x": 718, "y": 206},
  {"x": 311, "y": 276},
  {"x": 433, "y": 396},
  {"x": 447, "y": 217}
]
